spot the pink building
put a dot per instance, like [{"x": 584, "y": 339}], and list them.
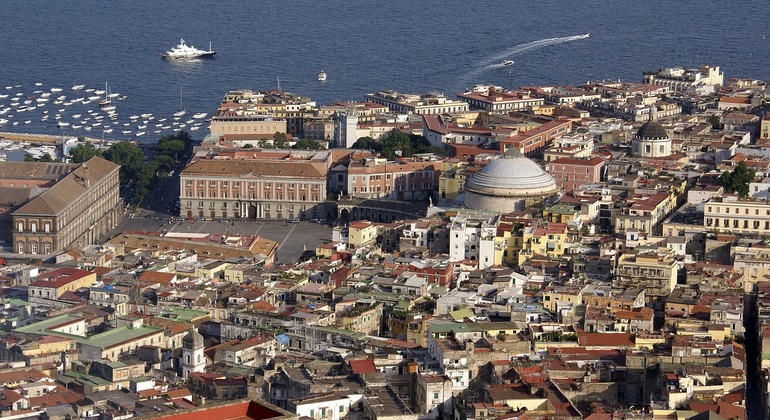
[{"x": 571, "y": 172}]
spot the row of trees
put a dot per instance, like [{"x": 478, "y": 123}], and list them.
[
  {"x": 134, "y": 169},
  {"x": 398, "y": 144}
]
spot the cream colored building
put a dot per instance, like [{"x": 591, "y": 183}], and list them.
[
  {"x": 361, "y": 233},
  {"x": 416, "y": 104},
  {"x": 654, "y": 269},
  {"x": 728, "y": 213},
  {"x": 681, "y": 79},
  {"x": 254, "y": 189}
]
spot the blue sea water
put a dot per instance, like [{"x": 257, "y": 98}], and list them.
[{"x": 363, "y": 46}]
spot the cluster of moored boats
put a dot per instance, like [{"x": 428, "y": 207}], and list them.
[{"x": 90, "y": 110}]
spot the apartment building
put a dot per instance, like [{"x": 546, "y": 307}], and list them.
[
  {"x": 728, "y": 213},
  {"x": 472, "y": 237},
  {"x": 533, "y": 142},
  {"x": 569, "y": 173},
  {"x": 498, "y": 101},
  {"x": 655, "y": 269},
  {"x": 416, "y": 104},
  {"x": 681, "y": 79},
  {"x": 413, "y": 178}
]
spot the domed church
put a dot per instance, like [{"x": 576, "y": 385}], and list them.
[
  {"x": 508, "y": 183},
  {"x": 651, "y": 140}
]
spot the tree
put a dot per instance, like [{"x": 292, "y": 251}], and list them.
[
  {"x": 129, "y": 156},
  {"x": 83, "y": 152},
  {"x": 366, "y": 143},
  {"x": 307, "y": 144},
  {"x": 738, "y": 180},
  {"x": 280, "y": 139},
  {"x": 170, "y": 147}
]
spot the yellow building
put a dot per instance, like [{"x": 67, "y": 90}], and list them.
[
  {"x": 561, "y": 213},
  {"x": 361, "y": 233},
  {"x": 654, "y": 269},
  {"x": 53, "y": 284},
  {"x": 452, "y": 179},
  {"x": 48, "y": 345},
  {"x": 548, "y": 241},
  {"x": 729, "y": 214},
  {"x": 211, "y": 270},
  {"x": 554, "y": 294},
  {"x": 764, "y": 127}
]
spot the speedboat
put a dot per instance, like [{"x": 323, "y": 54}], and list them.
[
  {"x": 322, "y": 76},
  {"x": 184, "y": 51},
  {"x": 507, "y": 62},
  {"x": 78, "y": 87}
]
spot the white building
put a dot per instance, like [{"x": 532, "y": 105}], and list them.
[
  {"x": 346, "y": 128},
  {"x": 472, "y": 237}
]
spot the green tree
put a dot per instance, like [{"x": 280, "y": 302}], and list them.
[
  {"x": 307, "y": 144},
  {"x": 129, "y": 156},
  {"x": 162, "y": 163},
  {"x": 280, "y": 140},
  {"x": 83, "y": 152},
  {"x": 738, "y": 180},
  {"x": 170, "y": 147},
  {"x": 367, "y": 143}
]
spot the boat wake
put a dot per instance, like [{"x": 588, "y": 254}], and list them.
[
  {"x": 536, "y": 44},
  {"x": 494, "y": 62}
]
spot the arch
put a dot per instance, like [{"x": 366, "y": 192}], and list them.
[{"x": 344, "y": 215}]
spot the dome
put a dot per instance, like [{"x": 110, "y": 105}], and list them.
[
  {"x": 512, "y": 175},
  {"x": 651, "y": 130},
  {"x": 507, "y": 183},
  {"x": 193, "y": 340}
]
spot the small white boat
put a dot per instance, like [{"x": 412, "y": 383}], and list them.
[
  {"x": 146, "y": 116},
  {"x": 27, "y": 121},
  {"x": 56, "y": 89},
  {"x": 100, "y": 92},
  {"x": 322, "y": 76},
  {"x": 108, "y": 131},
  {"x": 78, "y": 87},
  {"x": 89, "y": 90},
  {"x": 108, "y": 108},
  {"x": 179, "y": 113},
  {"x": 76, "y": 126},
  {"x": 200, "y": 115},
  {"x": 140, "y": 133},
  {"x": 36, "y": 84},
  {"x": 61, "y": 124},
  {"x": 113, "y": 95},
  {"x": 86, "y": 101},
  {"x": 194, "y": 128},
  {"x": 126, "y": 131},
  {"x": 507, "y": 62}
]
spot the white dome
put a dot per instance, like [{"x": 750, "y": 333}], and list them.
[
  {"x": 512, "y": 175},
  {"x": 506, "y": 183}
]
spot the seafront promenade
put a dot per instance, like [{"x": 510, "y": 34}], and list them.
[{"x": 38, "y": 138}]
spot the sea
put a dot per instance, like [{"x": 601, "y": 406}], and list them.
[{"x": 363, "y": 46}]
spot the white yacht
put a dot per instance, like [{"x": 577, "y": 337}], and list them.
[
  {"x": 322, "y": 76},
  {"x": 183, "y": 51}
]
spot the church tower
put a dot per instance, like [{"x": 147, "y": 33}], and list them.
[{"x": 193, "y": 359}]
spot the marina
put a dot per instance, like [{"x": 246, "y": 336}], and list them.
[{"x": 80, "y": 110}]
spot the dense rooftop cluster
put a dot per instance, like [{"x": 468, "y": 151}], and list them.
[{"x": 566, "y": 252}]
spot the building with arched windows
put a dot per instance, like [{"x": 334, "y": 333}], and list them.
[
  {"x": 193, "y": 359},
  {"x": 46, "y": 208}
]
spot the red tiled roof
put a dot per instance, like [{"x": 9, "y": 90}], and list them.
[
  {"x": 362, "y": 366},
  {"x": 606, "y": 339},
  {"x": 60, "y": 277},
  {"x": 156, "y": 277}
]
